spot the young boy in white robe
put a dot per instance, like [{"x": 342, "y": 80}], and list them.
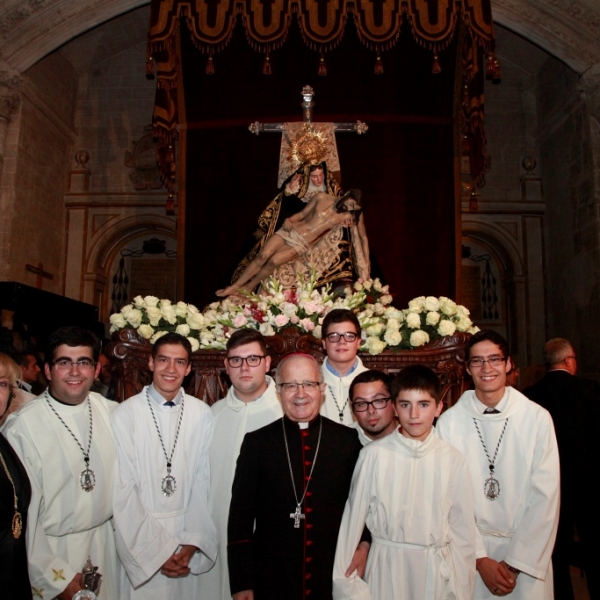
[{"x": 414, "y": 494}]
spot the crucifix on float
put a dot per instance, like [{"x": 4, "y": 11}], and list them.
[{"x": 307, "y": 106}]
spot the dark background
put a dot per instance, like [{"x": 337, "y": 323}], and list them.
[{"x": 403, "y": 164}]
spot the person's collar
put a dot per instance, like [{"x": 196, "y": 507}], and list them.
[
  {"x": 332, "y": 370},
  {"x": 25, "y": 386},
  {"x": 159, "y": 399},
  {"x": 303, "y": 425},
  {"x": 51, "y": 395},
  {"x": 559, "y": 369},
  {"x": 236, "y": 404},
  {"x": 501, "y": 406}
]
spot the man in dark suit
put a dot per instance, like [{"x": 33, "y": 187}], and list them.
[
  {"x": 574, "y": 403},
  {"x": 289, "y": 492}
]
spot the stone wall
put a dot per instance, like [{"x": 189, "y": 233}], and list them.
[
  {"x": 36, "y": 159},
  {"x": 114, "y": 104},
  {"x": 572, "y": 245}
]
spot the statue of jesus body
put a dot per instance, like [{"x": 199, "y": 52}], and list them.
[{"x": 321, "y": 214}]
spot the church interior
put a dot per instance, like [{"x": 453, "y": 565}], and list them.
[{"x": 83, "y": 207}]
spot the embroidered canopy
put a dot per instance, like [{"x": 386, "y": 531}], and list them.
[{"x": 378, "y": 23}]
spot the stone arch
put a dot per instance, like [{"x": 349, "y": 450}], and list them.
[
  {"x": 506, "y": 254},
  {"x": 33, "y": 31},
  {"x": 108, "y": 242}
]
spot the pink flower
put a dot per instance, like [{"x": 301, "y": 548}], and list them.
[
  {"x": 239, "y": 321},
  {"x": 307, "y": 324},
  {"x": 281, "y": 320},
  {"x": 295, "y": 319}
]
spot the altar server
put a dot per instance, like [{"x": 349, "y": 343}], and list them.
[
  {"x": 65, "y": 441},
  {"x": 413, "y": 491},
  {"x": 291, "y": 483},
  {"x": 165, "y": 535},
  {"x": 341, "y": 340},
  {"x": 251, "y": 403},
  {"x": 510, "y": 446}
]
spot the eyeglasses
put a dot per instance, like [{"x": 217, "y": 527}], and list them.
[
  {"x": 363, "y": 405},
  {"x": 494, "y": 361},
  {"x": 83, "y": 363},
  {"x": 334, "y": 338},
  {"x": 308, "y": 386},
  {"x": 237, "y": 361}
]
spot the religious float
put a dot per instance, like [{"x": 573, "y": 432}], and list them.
[{"x": 430, "y": 331}]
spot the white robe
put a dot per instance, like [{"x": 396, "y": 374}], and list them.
[
  {"x": 233, "y": 419},
  {"x": 520, "y": 525},
  {"x": 149, "y": 526},
  {"x": 416, "y": 500},
  {"x": 338, "y": 387},
  {"x": 67, "y": 524}
]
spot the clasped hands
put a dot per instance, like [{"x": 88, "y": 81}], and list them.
[
  {"x": 177, "y": 564},
  {"x": 496, "y": 576}
]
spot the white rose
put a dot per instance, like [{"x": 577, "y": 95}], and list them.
[
  {"x": 138, "y": 301},
  {"x": 432, "y": 304},
  {"x": 358, "y": 286},
  {"x": 377, "y": 285},
  {"x": 446, "y": 327},
  {"x": 266, "y": 329},
  {"x": 195, "y": 343},
  {"x": 117, "y": 321},
  {"x": 416, "y": 304},
  {"x": 151, "y": 300},
  {"x": 195, "y": 321},
  {"x": 393, "y": 337},
  {"x": 206, "y": 337},
  {"x": 474, "y": 330},
  {"x": 461, "y": 311},
  {"x": 157, "y": 335},
  {"x": 464, "y": 324},
  {"x": 433, "y": 318},
  {"x": 368, "y": 284},
  {"x": 134, "y": 317},
  {"x": 418, "y": 338},
  {"x": 379, "y": 308},
  {"x": 126, "y": 310},
  {"x": 181, "y": 309},
  {"x": 183, "y": 330},
  {"x": 289, "y": 309},
  {"x": 447, "y": 306},
  {"x": 375, "y": 345},
  {"x": 146, "y": 331},
  {"x": 165, "y": 302},
  {"x": 413, "y": 320},
  {"x": 317, "y": 332},
  {"x": 154, "y": 315},
  {"x": 385, "y": 299},
  {"x": 393, "y": 313},
  {"x": 393, "y": 324},
  {"x": 168, "y": 313}
]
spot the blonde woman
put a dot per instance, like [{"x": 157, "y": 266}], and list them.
[{"x": 15, "y": 493}]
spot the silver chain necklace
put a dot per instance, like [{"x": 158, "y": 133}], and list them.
[
  {"x": 297, "y": 514},
  {"x": 87, "y": 479},
  {"x": 340, "y": 410},
  {"x": 491, "y": 486},
  {"x": 168, "y": 484}
]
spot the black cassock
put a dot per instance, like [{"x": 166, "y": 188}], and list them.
[
  {"x": 273, "y": 558},
  {"x": 14, "y": 579}
]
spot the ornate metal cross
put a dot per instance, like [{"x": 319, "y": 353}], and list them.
[
  {"x": 307, "y": 106},
  {"x": 297, "y": 515}
]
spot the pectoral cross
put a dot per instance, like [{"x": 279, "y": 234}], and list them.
[
  {"x": 307, "y": 105},
  {"x": 297, "y": 516},
  {"x": 39, "y": 271}
]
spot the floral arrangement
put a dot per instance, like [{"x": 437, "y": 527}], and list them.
[{"x": 383, "y": 325}]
